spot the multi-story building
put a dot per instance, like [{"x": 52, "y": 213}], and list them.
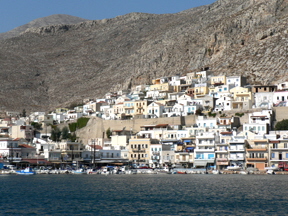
[
  {"x": 139, "y": 150},
  {"x": 205, "y": 150},
  {"x": 257, "y": 153},
  {"x": 222, "y": 149},
  {"x": 156, "y": 155},
  {"x": 9, "y": 150},
  {"x": 278, "y": 150},
  {"x": 237, "y": 150}
]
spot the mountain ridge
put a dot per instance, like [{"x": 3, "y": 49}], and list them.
[{"x": 57, "y": 65}]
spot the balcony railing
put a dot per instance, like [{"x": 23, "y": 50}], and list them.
[
  {"x": 257, "y": 159},
  {"x": 138, "y": 151},
  {"x": 236, "y": 158},
  {"x": 221, "y": 159}
]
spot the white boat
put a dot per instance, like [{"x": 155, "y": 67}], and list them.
[
  {"x": 215, "y": 172},
  {"x": 234, "y": 167},
  {"x": 271, "y": 168},
  {"x": 270, "y": 172},
  {"x": 243, "y": 172},
  {"x": 26, "y": 171},
  {"x": 79, "y": 171}
]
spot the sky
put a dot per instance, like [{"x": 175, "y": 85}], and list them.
[{"x": 14, "y": 13}]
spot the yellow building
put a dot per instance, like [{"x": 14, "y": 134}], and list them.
[
  {"x": 243, "y": 98},
  {"x": 278, "y": 151},
  {"x": 140, "y": 107},
  {"x": 139, "y": 150},
  {"x": 257, "y": 154},
  {"x": 161, "y": 87},
  {"x": 201, "y": 90},
  {"x": 221, "y": 79},
  {"x": 129, "y": 108}
]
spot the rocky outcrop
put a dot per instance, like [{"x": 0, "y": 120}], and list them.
[
  {"x": 59, "y": 64},
  {"x": 56, "y": 19}
]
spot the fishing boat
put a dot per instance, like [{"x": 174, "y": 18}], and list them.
[
  {"x": 216, "y": 172},
  {"x": 26, "y": 171},
  {"x": 181, "y": 172},
  {"x": 79, "y": 171},
  {"x": 235, "y": 167}
]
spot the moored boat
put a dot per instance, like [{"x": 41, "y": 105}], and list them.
[{"x": 26, "y": 171}]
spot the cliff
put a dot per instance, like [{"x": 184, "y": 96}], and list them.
[{"x": 49, "y": 66}]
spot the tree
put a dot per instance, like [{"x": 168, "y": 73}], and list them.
[
  {"x": 36, "y": 125},
  {"x": 65, "y": 132},
  {"x": 198, "y": 112},
  {"x": 108, "y": 133},
  {"x": 282, "y": 125},
  {"x": 55, "y": 134},
  {"x": 73, "y": 137},
  {"x": 23, "y": 113}
]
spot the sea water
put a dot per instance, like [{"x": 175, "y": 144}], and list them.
[{"x": 144, "y": 194}]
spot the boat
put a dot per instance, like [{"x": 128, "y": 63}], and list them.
[
  {"x": 234, "y": 167},
  {"x": 26, "y": 171},
  {"x": 243, "y": 172},
  {"x": 181, "y": 172},
  {"x": 271, "y": 168},
  {"x": 216, "y": 172},
  {"x": 270, "y": 172},
  {"x": 79, "y": 171}
]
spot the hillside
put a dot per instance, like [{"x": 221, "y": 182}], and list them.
[
  {"x": 55, "y": 19},
  {"x": 54, "y": 65}
]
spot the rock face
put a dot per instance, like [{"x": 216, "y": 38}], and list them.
[
  {"x": 55, "y": 65},
  {"x": 55, "y": 19}
]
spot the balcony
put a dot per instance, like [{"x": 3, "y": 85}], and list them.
[
  {"x": 257, "y": 159},
  {"x": 221, "y": 151},
  {"x": 138, "y": 151},
  {"x": 236, "y": 150},
  {"x": 221, "y": 159},
  {"x": 236, "y": 158},
  {"x": 206, "y": 144},
  {"x": 254, "y": 149},
  {"x": 204, "y": 150}
]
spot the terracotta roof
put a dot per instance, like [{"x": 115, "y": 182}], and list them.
[
  {"x": 258, "y": 116},
  {"x": 16, "y": 139},
  {"x": 224, "y": 133},
  {"x": 274, "y": 141},
  {"x": 97, "y": 146}
]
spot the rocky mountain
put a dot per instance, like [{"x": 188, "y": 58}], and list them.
[
  {"x": 55, "y": 65},
  {"x": 56, "y": 19}
]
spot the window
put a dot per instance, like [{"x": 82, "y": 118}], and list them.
[
  {"x": 272, "y": 155},
  {"x": 285, "y": 146},
  {"x": 286, "y": 155},
  {"x": 210, "y": 156}
]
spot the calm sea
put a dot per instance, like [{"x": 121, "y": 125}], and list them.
[{"x": 160, "y": 194}]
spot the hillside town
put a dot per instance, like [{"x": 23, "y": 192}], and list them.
[{"x": 233, "y": 128}]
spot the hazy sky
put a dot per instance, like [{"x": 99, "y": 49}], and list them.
[{"x": 14, "y": 13}]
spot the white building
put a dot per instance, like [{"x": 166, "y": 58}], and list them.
[{"x": 205, "y": 150}]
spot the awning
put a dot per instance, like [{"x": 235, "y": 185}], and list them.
[
  {"x": 187, "y": 140},
  {"x": 200, "y": 163},
  {"x": 190, "y": 148},
  {"x": 35, "y": 161}
]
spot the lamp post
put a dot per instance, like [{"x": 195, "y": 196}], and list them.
[{"x": 138, "y": 153}]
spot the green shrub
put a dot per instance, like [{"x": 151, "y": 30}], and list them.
[
  {"x": 81, "y": 122},
  {"x": 239, "y": 114}
]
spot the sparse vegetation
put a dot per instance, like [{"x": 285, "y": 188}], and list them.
[{"x": 239, "y": 114}]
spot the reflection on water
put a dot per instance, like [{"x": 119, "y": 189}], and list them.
[{"x": 144, "y": 195}]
